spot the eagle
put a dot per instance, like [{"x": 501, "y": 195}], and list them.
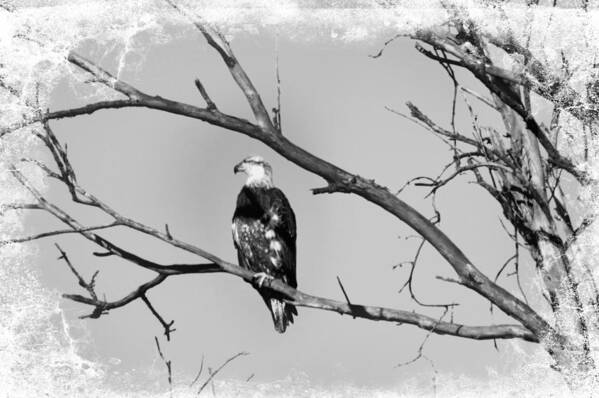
[{"x": 264, "y": 234}]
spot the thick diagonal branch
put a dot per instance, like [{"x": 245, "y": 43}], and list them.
[
  {"x": 217, "y": 41},
  {"x": 338, "y": 179},
  {"x": 344, "y": 181}
]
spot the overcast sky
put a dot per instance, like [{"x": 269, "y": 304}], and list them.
[{"x": 159, "y": 168}]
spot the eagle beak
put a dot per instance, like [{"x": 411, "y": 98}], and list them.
[{"x": 238, "y": 167}]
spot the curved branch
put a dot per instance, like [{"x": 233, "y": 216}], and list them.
[
  {"x": 102, "y": 305},
  {"x": 212, "y": 374},
  {"x": 220, "y": 44},
  {"x": 374, "y": 313},
  {"x": 392, "y": 315},
  {"x": 343, "y": 181},
  {"x": 339, "y": 180},
  {"x": 488, "y": 75},
  {"x": 288, "y": 293}
]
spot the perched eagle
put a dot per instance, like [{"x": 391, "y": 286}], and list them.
[{"x": 264, "y": 235}]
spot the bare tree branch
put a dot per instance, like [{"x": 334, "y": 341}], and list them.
[
  {"x": 199, "y": 372},
  {"x": 55, "y": 233},
  {"x": 168, "y": 365},
  {"x": 419, "y": 353},
  {"x": 338, "y": 181},
  {"x": 487, "y": 74},
  {"x": 221, "y": 45},
  {"x": 545, "y": 83},
  {"x": 292, "y": 295},
  {"x": 344, "y": 293},
  {"x": 345, "y": 182},
  {"x": 409, "y": 283},
  {"x": 213, "y": 374},
  {"x": 89, "y": 286},
  {"x": 168, "y": 326},
  {"x": 204, "y": 93},
  {"x": 102, "y": 306},
  {"x": 429, "y": 124},
  {"x": 277, "y": 111},
  {"x": 524, "y": 180},
  {"x": 18, "y": 206},
  {"x": 476, "y": 95}
]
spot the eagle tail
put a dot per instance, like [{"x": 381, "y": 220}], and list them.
[{"x": 282, "y": 313}]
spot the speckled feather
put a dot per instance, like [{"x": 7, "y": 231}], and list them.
[{"x": 264, "y": 233}]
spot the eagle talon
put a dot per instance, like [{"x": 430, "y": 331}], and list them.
[{"x": 260, "y": 277}]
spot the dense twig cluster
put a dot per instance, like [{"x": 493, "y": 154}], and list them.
[
  {"x": 338, "y": 179},
  {"x": 522, "y": 168},
  {"x": 163, "y": 271}
]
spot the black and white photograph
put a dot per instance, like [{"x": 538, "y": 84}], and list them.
[{"x": 299, "y": 198}]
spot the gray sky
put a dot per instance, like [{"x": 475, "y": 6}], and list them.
[{"x": 159, "y": 168}]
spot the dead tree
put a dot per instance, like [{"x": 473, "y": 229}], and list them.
[{"x": 523, "y": 166}]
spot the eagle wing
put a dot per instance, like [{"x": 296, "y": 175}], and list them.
[
  {"x": 281, "y": 220},
  {"x": 264, "y": 233}
]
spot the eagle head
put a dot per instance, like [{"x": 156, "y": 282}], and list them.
[{"x": 259, "y": 172}]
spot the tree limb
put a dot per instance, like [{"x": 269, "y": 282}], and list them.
[
  {"x": 212, "y": 374},
  {"x": 217, "y": 41},
  {"x": 291, "y": 295},
  {"x": 369, "y": 190},
  {"x": 488, "y": 75},
  {"x": 339, "y": 179}
]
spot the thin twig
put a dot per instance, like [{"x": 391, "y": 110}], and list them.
[
  {"x": 277, "y": 110},
  {"x": 421, "y": 355},
  {"x": 212, "y": 374},
  {"x": 168, "y": 326},
  {"x": 199, "y": 372},
  {"x": 296, "y": 297},
  {"x": 385, "y": 44},
  {"x": 89, "y": 286},
  {"x": 211, "y": 105},
  {"x": 167, "y": 364},
  {"x": 55, "y": 233},
  {"x": 344, "y": 293},
  {"x": 501, "y": 269},
  {"x": 410, "y": 281}
]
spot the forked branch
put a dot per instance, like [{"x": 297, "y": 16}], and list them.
[
  {"x": 533, "y": 328},
  {"x": 291, "y": 295}
]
